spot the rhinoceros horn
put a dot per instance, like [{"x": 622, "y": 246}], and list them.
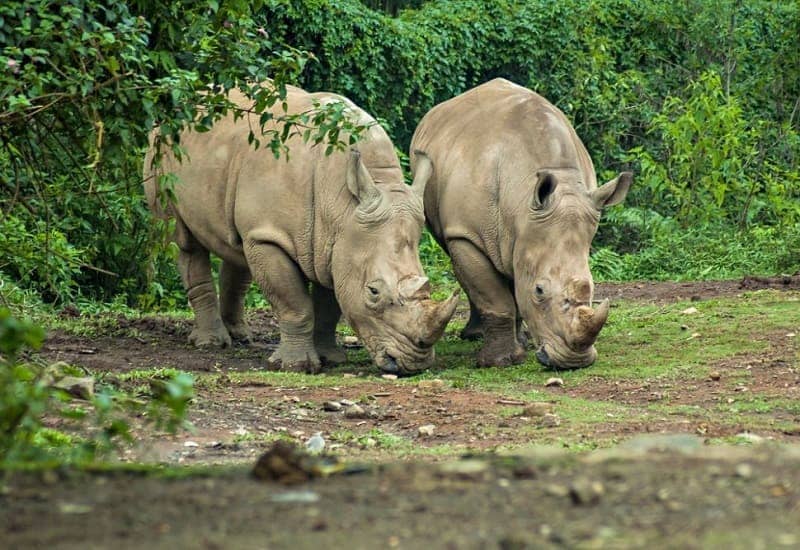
[
  {"x": 588, "y": 322},
  {"x": 360, "y": 182},
  {"x": 437, "y": 316},
  {"x": 422, "y": 173}
]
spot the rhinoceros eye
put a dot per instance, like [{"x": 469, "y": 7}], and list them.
[{"x": 373, "y": 291}]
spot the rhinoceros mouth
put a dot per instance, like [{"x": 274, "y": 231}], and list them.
[
  {"x": 405, "y": 360},
  {"x": 552, "y": 359}
]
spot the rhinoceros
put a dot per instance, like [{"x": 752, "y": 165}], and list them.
[
  {"x": 345, "y": 224},
  {"x": 512, "y": 197}
]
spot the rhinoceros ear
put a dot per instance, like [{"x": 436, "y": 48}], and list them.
[
  {"x": 613, "y": 192},
  {"x": 423, "y": 170},
  {"x": 359, "y": 182},
  {"x": 546, "y": 183}
]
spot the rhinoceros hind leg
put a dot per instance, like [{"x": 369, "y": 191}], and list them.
[
  {"x": 286, "y": 288},
  {"x": 195, "y": 268},
  {"x": 234, "y": 281},
  {"x": 326, "y": 315},
  {"x": 489, "y": 292},
  {"x": 474, "y": 328}
]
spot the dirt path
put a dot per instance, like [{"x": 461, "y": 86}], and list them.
[{"x": 416, "y": 493}]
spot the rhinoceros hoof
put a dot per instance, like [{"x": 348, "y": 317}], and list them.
[
  {"x": 296, "y": 362},
  {"x": 210, "y": 339},
  {"x": 332, "y": 355},
  {"x": 493, "y": 358},
  {"x": 471, "y": 333},
  {"x": 240, "y": 333}
]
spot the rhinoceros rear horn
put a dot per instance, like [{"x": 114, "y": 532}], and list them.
[
  {"x": 423, "y": 171},
  {"x": 359, "y": 181}
]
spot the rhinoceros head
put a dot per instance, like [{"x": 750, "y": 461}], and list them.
[
  {"x": 552, "y": 282},
  {"x": 378, "y": 277}
]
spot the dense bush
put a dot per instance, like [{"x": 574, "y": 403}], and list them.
[{"x": 699, "y": 98}]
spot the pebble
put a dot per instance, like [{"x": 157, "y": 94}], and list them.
[
  {"x": 355, "y": 411},
  {"x": 332, "y": 406},
  {"x": 551, "y": 420},
  {"x": 295, "y": 497},
  {"x": 430, "y": 384},
  {"x": 714, "y": 375},
  {"x": 539, "y": 408},
  {"x": 744, "y": 470},
  {"x": 346, "y": 403},
  {"x": 556, "y": 490},
  {"x": 427, "y": 430},
  {"x": 389, "y": 376},
  {"x": 350, "y": 340},
  {"x": 583, "y": 491},
  {"x": 191, "y": 444},
  {"x": 554, "y": 382},
  {"x": 689, "y": 311},
  {"x": 80, "y": 387}
]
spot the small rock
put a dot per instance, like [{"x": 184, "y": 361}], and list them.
[
  {"x": 790, "y": 334},
  {"x": 332, "y": 406},
  {"x": 191, "y": 444},
  {"x": 539, "y": 408},
  {"x": 346, "y": 402},
  {"x": 348, "y": 375},
  {"x": 315, "y": 443},
  {"x": 744, "y": 470},
  {"x": 556, "y": 490},
  {"x": 554, "y": 382},
  {"x": 551, "y": 420},
  {"x": 355, "y": 411},
  {"x": 82, "y": 388},
  {"x": 295, "y": 497},
  {"x": 350, "y": 341},
  {"x": 689, "y": 311},
  {"x": 430, "y": 384},
  {"x": 714, "y": 375},
  {"x": 465, "y": 469},
  {"x": 584, "y": 492},
  {"x": 427, "y": 430},
  {"x": 389, "y": 376}
]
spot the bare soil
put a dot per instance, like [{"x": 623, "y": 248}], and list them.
[{"x": 673, "y": 498}]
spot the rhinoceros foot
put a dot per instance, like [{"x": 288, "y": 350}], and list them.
[
  {"x": 217, "y": 337},
  {"x": 240, "y": 332},
  {"x": 472, "y": 332},
  {"x": 295, "y": 360},
  {"x": 501, "y": 355},
  {"x": 331, "y": 355}
]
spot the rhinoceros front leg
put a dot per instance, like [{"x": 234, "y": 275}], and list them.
[
  {"x": 474, "y": 327},
  {"x": 326, "y": 315},
  {"x": 234, "y": 281},
  {"x": 286, "y": 288},
  {"x": 195, "y": 268},
  {"x": 489, "y": 292}
]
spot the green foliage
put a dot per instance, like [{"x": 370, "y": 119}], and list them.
[
  {"x": 30, "y": 399},
  {"x": 699, "y": 98},
  {"x": 81, "y": 85}
]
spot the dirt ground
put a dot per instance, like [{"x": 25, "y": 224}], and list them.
[{"x": 670, "y": 492}]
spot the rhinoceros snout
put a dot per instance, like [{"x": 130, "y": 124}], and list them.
[{"x": 565, "y": 358}]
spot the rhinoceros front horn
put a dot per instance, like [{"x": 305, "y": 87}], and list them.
[
  {"x": 588, "y": 322},
  {"x": 437, "y": 316}
]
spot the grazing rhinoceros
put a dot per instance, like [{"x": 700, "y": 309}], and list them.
[
  {"x": 512, "y": 197},
  {"x": 345, "y": 223}
]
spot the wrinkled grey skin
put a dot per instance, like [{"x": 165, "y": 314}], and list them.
[
  {"x": 512, "y": 196},
  {"x": 345, "y": 223}
]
